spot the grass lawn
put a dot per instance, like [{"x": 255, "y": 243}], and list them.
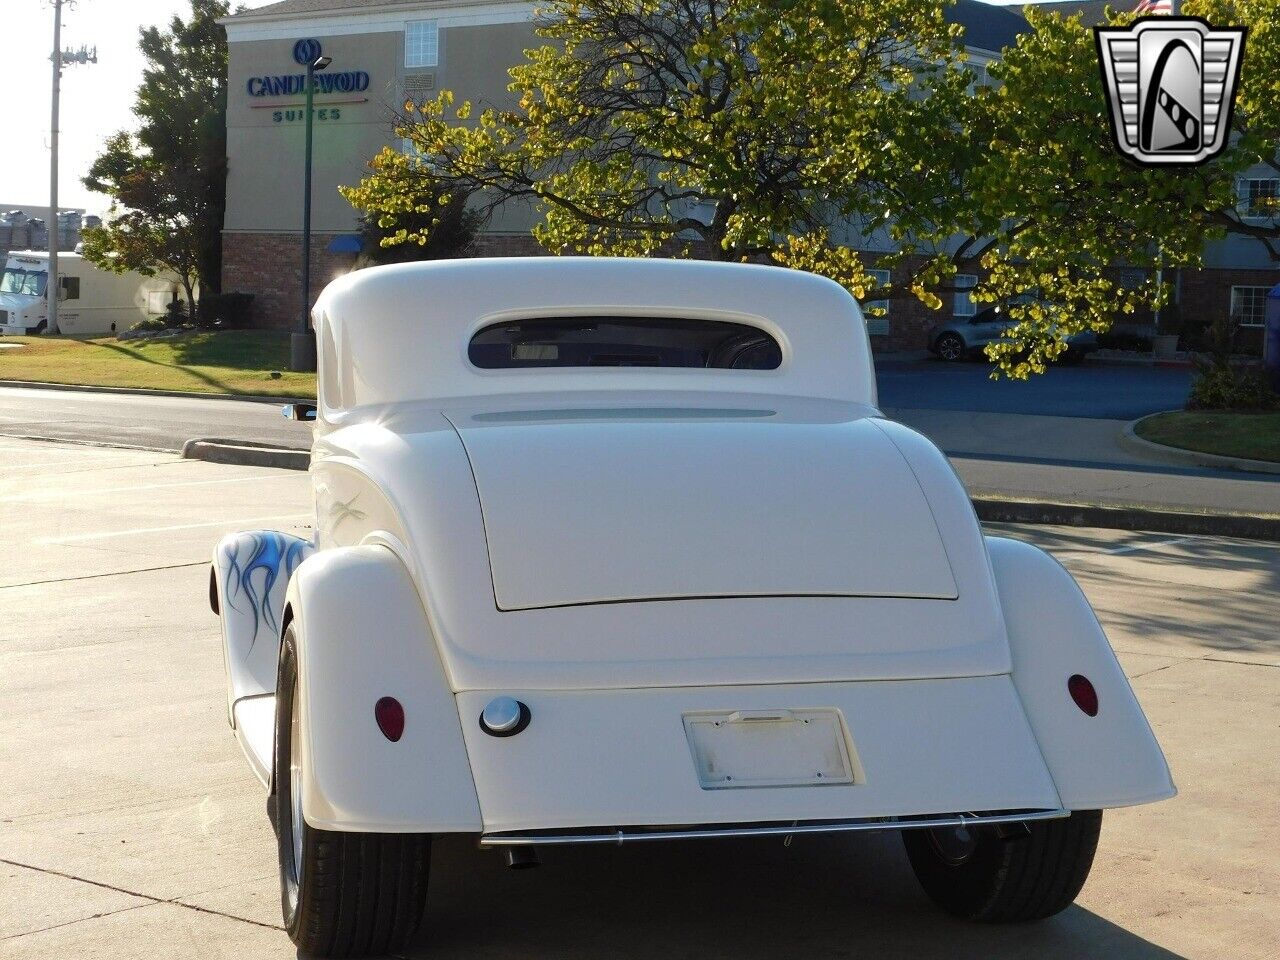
[
  {"x": 225, "y": 361},
  {"x": 1255, "y": 436}
]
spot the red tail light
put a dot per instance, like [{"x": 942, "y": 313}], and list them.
[
  {"x": 1083, "y": 693},
  {"x": 390, "y": 717}
]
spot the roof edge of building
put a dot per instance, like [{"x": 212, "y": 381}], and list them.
[{"x": 339, "y": 9}]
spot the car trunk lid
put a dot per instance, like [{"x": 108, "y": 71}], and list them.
[{"x": 616, "y": 505}]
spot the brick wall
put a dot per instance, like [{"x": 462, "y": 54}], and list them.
[
  {"x": 269, "y": 266},
  {"x": 1206, "y": 297},
  {"x": 508, "y": 245},
  {"x": 909, "y": 320}
]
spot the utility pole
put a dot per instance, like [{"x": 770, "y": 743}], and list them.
[
  {"x": 51, "y": 287},
  {"x": 58, "y": 58}
]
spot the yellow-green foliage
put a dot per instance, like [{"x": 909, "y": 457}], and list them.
[{"x": 786, "y": 131}]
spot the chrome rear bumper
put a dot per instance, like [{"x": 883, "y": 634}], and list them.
[{"x": 702, "y": 832}]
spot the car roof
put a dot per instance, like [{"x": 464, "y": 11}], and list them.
[{"x": 401, "y": 332}]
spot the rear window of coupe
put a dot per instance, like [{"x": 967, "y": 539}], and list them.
[{"x": 624, "y": 342}]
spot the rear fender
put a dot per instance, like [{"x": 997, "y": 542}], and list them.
[
  {"x": 362, "y": 634},
  {"x": 251, "y": 572},
  {"x": 1109, "y": 760}
]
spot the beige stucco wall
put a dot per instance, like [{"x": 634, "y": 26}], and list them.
[{"x": 265, "y": 149}]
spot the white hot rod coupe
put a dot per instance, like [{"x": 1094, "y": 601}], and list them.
[{"x": 623, "y": 550}]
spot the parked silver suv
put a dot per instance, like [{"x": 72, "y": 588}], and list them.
[{"x": 963, "y": 338}]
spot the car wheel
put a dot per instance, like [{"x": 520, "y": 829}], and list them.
[
  {"x": 1030, "y": 874},
  {"x": 343, "y": 894},
  {"x": 951, "y": 347}
]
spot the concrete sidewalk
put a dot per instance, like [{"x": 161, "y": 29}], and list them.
[{"x": 130, "y": 825}]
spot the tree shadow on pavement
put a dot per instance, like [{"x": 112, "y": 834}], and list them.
[
  {"x": 1210, "y": 594},
  {"x": 833, "y": 896}
]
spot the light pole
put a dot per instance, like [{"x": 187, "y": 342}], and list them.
[{"x": 302, "y": 345}]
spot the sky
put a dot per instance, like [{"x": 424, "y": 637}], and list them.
[{"x": 96, "y": 98}]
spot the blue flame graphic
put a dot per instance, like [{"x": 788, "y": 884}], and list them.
[{"x": 271, "y": 552}]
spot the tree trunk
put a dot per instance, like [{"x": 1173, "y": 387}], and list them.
[{"x": 188, "y": 285}]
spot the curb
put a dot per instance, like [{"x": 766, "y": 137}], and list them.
[
  {"x": 243, "y": 453},
  {"x": 140, "y": 392},
  {"x": 1094, "y": 360},
  {"x": 1129, "y": 438},
  {"x": 997, "y": 509}
]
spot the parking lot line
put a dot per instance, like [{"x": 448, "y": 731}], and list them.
[
  {"x": 63, "y": 494},
  {"x": 138, "y": 531}
]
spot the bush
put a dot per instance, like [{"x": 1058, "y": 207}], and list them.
[
  {"x": 1221, "y": 387},
  {"x": 175, "y": 315},
  {"x": 225, "y": 310},
  {"x": 149, "y": 325}
]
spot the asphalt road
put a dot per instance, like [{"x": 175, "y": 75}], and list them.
[
  {"x": 1099, "y": 391},
  {"x": 153, "y": 423},
  {"x": 1029, "y": 456},
  {"x": 130, "y": 825}
]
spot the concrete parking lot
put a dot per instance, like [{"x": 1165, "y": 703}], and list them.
[{"x": 130, "y": 826}]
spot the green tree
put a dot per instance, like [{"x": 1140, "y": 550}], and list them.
[
  {"x": 1059, "y": 208},
  {"x": 732, "y": 129},
  {"x": 793, "y": 131},
  {"x": 167, "y": 179},
  {"x": 438, "y": 227}
]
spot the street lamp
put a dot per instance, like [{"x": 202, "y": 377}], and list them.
[{"x": 302, "y": 352}]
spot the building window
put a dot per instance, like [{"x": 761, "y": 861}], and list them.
[
  {"x": 1248, "y": 305},
  {"x": 962, "y": 299},
  {"x": 1258, "y": 198},
  {"x": 878, "y": 325},
  {"x": 421, "y": 43}
]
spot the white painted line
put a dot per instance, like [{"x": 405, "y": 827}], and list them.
[
  {"x": 138, "y": 531},
  {"x": 63, "y": 494},
  {"x": 1147, "y": 546}
]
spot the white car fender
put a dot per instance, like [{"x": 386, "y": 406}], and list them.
[
  {"x": 251, "y": 572},
  {"x": 1108, "y": 760},
  {"x": 362, "y": 635}
]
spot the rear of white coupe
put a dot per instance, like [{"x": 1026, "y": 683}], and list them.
[{"x": 617, "y": 551}]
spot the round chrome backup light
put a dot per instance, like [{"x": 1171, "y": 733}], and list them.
[{"x": 504, "y": 717}]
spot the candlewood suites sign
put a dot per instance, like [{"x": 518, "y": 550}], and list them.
[{"x": 295, "y": 85}]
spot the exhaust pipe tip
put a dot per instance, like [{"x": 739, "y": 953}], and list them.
[{"x": 522, "y": 858}]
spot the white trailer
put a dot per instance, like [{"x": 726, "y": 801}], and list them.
[{"x": 93, "y": 301}]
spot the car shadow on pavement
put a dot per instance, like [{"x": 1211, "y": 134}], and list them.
[{"x": 834, "y": 896}]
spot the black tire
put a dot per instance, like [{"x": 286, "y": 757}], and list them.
[
  {"x": 951, "y": 347},
  {"x": 1021, "y": 876},
  {"x": 357, "y": 894}
]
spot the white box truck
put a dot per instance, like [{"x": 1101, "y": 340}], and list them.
[{"x": 93, "y": 302}]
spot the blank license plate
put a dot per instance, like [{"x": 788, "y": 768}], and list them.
[{"x": 769, "y": 748}]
